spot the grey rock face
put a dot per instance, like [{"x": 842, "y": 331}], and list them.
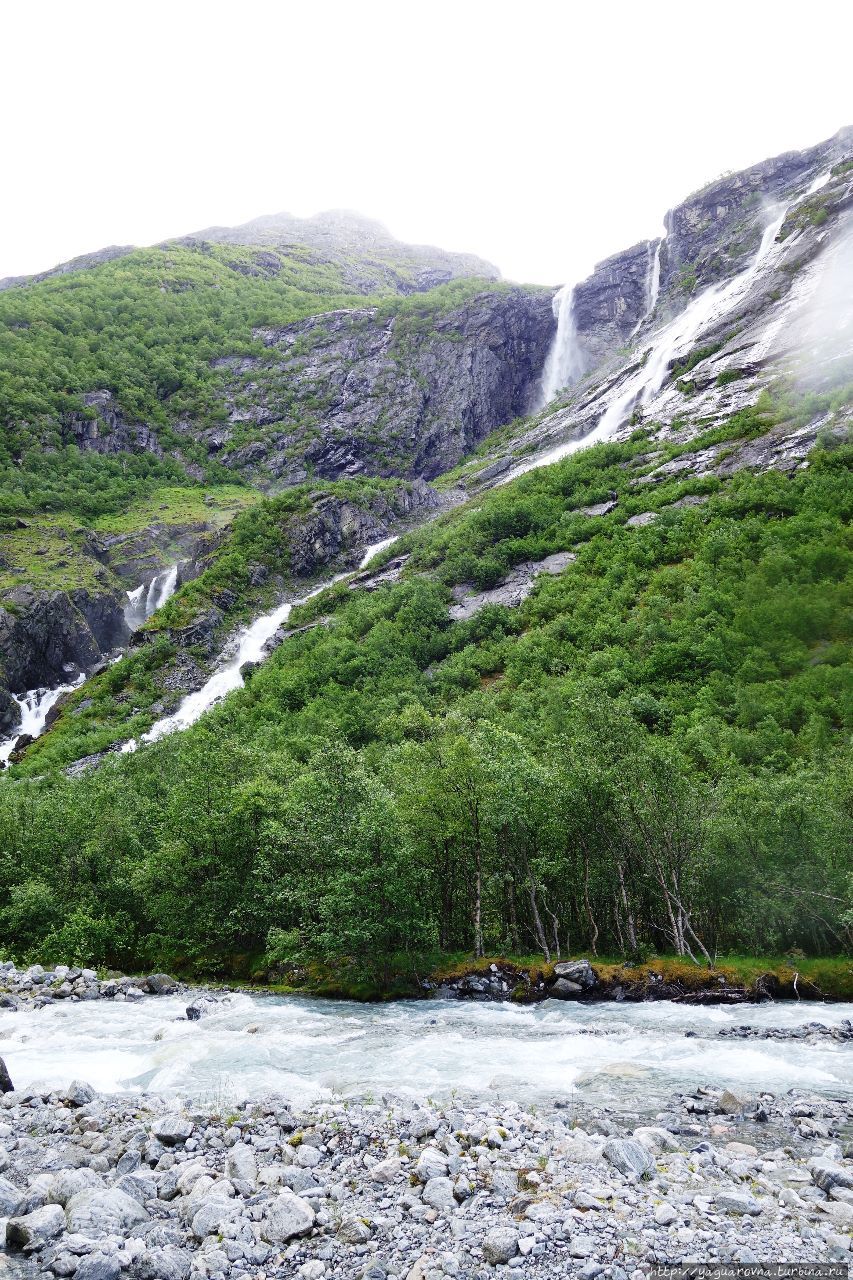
[
  {"x": 438, "y": 1194},
  {"x": 371, "y": 395},
  {"x": 514, "y": 589},
  {"x": 42, "y": 633},
  {"x": 6, "y": 1085},
  {"x": 610, "y": 304},
  {"x": 629, "y": 1156},
  {"x": 715, "y": 229},
  {"x": 105, "y": 430}
]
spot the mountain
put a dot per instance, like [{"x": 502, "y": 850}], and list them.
[{"x": 598, "y": 690}]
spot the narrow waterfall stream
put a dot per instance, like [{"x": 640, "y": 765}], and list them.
[
  {"x": 35, "y": 704},
  {"x": 375, "y": 548},
  {"x": 249, "y": 646}
]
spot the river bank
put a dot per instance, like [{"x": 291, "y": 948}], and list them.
[
  {"x": 97, "y": 1186},
  {"x": 743, "y": 980}
]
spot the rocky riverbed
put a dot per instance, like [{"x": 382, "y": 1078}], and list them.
[{"x": 99, "y": 1187}]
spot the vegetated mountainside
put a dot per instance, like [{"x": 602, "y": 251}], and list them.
[
  {"x": 604, "y": 705},
  {"x": 647, "y": 749},
  {"x": 124, "y": 386}
]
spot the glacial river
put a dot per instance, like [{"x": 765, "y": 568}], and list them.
[{"x": 631, "y": 1056}]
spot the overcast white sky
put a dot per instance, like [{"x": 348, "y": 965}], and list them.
[{"x": 543, "y": 136}]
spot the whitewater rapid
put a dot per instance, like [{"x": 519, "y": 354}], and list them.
[
  {"x": 630, "y": 1056},
  {"x": 34, "y": 706}
]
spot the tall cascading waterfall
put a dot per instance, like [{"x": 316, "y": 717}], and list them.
[
  {"x": 142, "y": 601},
  {"x": 565, "y": 362},
  {"x": 34, "y": 706},
  {"x": 678, "y": 336},
  {"x": 652, "y": 283}
]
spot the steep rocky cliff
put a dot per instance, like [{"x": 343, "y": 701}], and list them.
[
  {"x": 347, "y": 393},
  {"x": 710, "y": 236},
  {"x": 762, "y": 331},
  {"x": 47, "y": 635}
]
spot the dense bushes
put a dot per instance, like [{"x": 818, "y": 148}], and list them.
[{"x": 650, "y": 753}]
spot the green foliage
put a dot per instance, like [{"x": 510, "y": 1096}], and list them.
[
  {"x": 650, "y": 753},
  {"x": 160, "y": 329}
]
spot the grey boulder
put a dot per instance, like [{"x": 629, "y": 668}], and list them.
[
  {"x": 629, "y": 1156},
  {"x": 36, "y": 1229},
  {"x": 288, "y": 1215},
  {"x": 579, "y": 971},
  {"x": 103, "y": 1212},
  {"x": 500, "y": 1244},
  {"x": 172, "y": 1129}
]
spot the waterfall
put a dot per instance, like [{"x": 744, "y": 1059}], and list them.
[
  {"x": 141, "y": 603},
  {"x": 652, "y": 283},
  {"x": 565, "y": 363},
  {"x": 160, "y": 589},
  {"x": 712, "y": 304},
  {"x": 374, "y": 550},
  {"x": 677, "y": 338},
  {"x": 134, "y": 611},
  {"x": 250, "y": 645},
  {"x": 34, "y": 706}
]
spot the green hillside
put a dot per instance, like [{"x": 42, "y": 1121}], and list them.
[{"x": 650, "y": 753}]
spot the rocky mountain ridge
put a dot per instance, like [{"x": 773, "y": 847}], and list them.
[
  {"x": 709, "y": 236},
  {"x": 383, "y": 391}
]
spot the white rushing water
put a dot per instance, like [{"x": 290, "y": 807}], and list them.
[
  {"x": 674, "y": 340},
  {"x": 34, "y": 706},
  {"x": 375, "y": 548},
  {"x": 142, "y": 601},
  {"x": 613, "y": 1054},
  {"x": 249, "y": 646},
  {"x": 565, "y": 363}
]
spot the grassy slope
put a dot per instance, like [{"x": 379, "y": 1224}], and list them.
[
  {"x": 151, "y": 328},
  {"x": 53, "y": 552},
  {"x": 122, "y": 701}
]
